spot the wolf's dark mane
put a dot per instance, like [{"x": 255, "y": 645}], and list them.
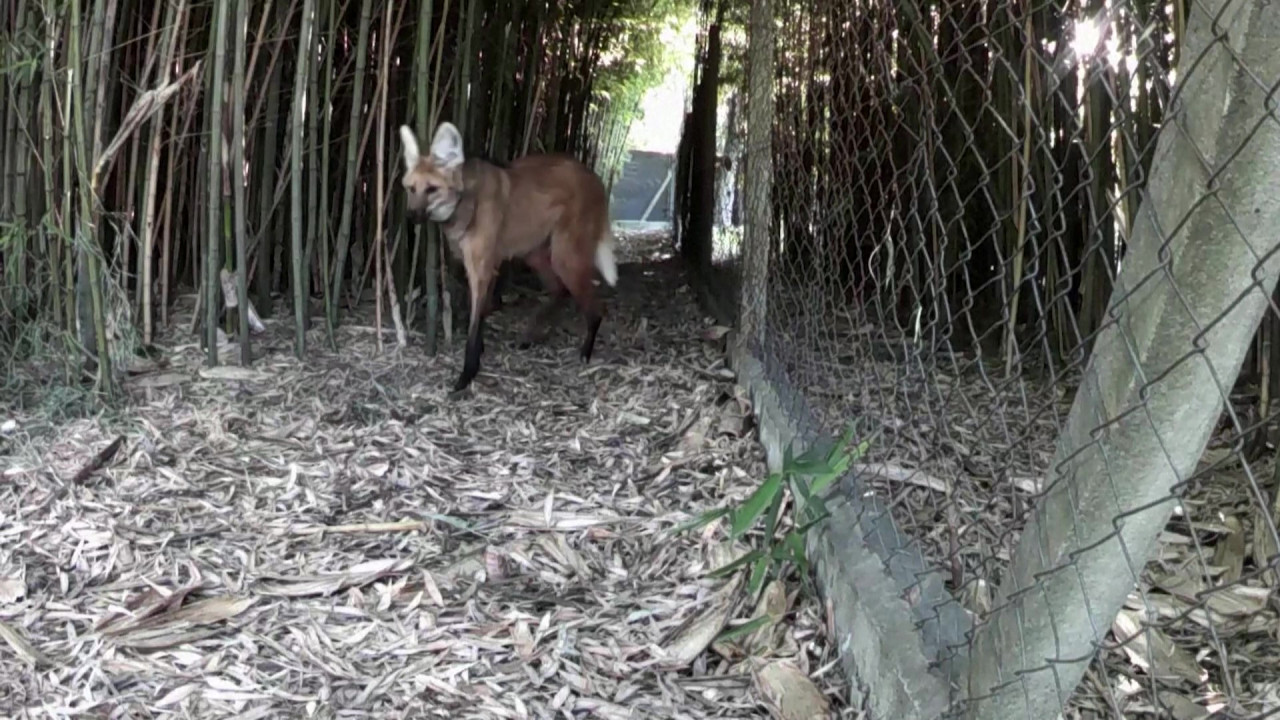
[{"x": 496, "y": 163}]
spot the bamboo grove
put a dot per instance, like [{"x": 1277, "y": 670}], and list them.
[
  {"x": 975, "y": 163},
  {"x": 123, "y": 122}
]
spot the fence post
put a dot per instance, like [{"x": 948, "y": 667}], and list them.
[
  {"x": 1200, "y": 269},
  {"x": 753, "y": 296}
]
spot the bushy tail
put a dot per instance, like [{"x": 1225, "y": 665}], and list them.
[{"x": 605, "y": 260}]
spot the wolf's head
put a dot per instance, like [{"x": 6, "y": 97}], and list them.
[{"x": 433, "y": 184}]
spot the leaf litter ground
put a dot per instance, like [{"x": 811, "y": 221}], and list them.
[{"x": 335, "y": 537}]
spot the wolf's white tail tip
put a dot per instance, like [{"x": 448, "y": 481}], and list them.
[{"x": 605, "y": 261}]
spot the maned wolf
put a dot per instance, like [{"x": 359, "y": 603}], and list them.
[{"x": 550, "y": 210}]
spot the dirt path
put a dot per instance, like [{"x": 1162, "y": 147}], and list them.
[{"x": 337, "y": 538}]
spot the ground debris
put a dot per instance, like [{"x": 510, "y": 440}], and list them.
[{"x": 335, "y": 537}]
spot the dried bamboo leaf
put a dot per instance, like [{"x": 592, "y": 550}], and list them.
[
  {"x": 897, "y": 473},
  {"x": 1265, "y": 550},
  {"x": 789, "y": 693},
  {"x": 233, "y": 372},
  {"x": 470, "y": 566},
  {"x": 432, "y": 590},
  {"x": 182, "y": 625},
  {"x": 1230, "y": 550},
  {"x": 153, "y": 602},
  {"x": 1182, "y": 707},
  {"x": 12, "y": 589},
  {"x": 1234, "y": 600},
  {"x": 697, "y": 634},
  {"x": 1151, "y": 650},
  {"x": 329, "y": 583},
  {"x": 563, "y": 521},
  {"x": 773, "y": 605},
  {"x": 522, "y": 639},
  {"x": 177, "y": 695},
  {"x": 732, "y": 420},
  {"x": 20, "y": 645},
  {"x": 695, "y": 437},
  {"x": 558, "y": 548},
  {"x": 160, "y": 380}
]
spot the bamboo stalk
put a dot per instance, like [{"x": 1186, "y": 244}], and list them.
[
  {"x": 379, "y": 238},
  {"x": 1022, "y": 199},
  {"x": 533, "y": 79},
  {"x": 172, "y": 20},
  {"x": 422, "y": 111},
  {"x": 74, "y": 256},
  {"x": 8, "y": 126},
  {"x": 349, "y": 184},
  {"x": 380, "y": 211},
  {"x": 256, "y": 115},
  {"x": 212, "y": 285},
  {"x": 259, "y": 36},
  {"x": 135, "y": 147},
  {"x": 438, "y": 92},
  {"x": 312, "y": 155},
  {"x": 325, "y": 228},
  {"x": 88, "y": 252},
  {"x": 228, "y": 235},
  {"x": 237, "y": 175},
  {"x": 166, "y": 240},
  {"x": 17, "y": 147},
  {"x": 367, "y": 133},
  {"x": 46, "y": 150},
  {"x": 465, "y": 77},
  {"x": 295, "y": 180},
  {"x": 91, "y": 78},
  {"x": 266, "y": 203},
  {"x": 439, "y": 301}
]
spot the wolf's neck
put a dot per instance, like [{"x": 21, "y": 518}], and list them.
[{"x": 464, "y": 214}]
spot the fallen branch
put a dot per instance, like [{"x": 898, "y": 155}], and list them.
[
  {"x": 99, "y": 461},
  {"x": 142, "y": 109}
]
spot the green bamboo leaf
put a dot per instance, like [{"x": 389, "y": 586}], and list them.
[
  {"x": 780, "y": 552},
  {"x": 775, "y": 513},
  {"x": 800, "y": 487},
  {"x": 822, "y": 482},
  {"x": 795, "y": 542},
  {"x": 701, "y": 520},
  {"x": 734, "y": 566},
  {"x": 746, "y": 515},
  {"x": 846, "y": 437},
  {"x": 809, "y": 462},
  {"x": 803, "y": 529},
  {"x": 758, "y": 575},
  {"x": 745, "y": 628}
]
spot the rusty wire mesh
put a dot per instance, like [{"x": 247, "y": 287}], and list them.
[{"x": 955, "y": 187}]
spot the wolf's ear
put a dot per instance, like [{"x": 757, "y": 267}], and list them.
[
  {"x": 410, "y": 143},
  {"x": 446, "y": 146}
]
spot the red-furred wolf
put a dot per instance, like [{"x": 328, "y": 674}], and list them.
[{"x": 550, "y": 210}]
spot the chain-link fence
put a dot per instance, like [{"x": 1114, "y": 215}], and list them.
[{"x": 1028, "y": 247}]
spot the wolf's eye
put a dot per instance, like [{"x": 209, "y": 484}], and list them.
[{"x": 431, "y": 189}]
